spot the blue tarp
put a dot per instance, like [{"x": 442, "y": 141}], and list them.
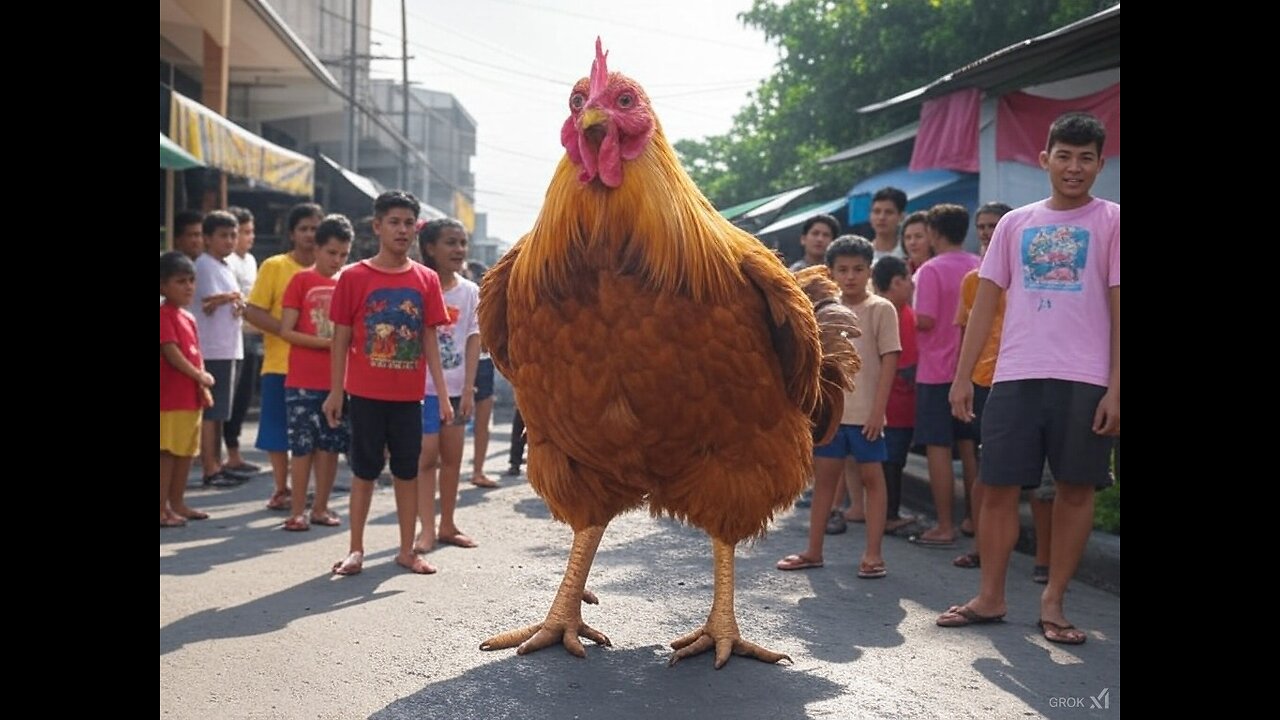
[{"x": 924, "y": 189}]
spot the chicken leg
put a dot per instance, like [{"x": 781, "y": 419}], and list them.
[
  {"x": 564, "y": 620},
  {"x": 721, "y": 629}
]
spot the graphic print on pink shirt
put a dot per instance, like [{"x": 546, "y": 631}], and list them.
[{"x": 1054, "y": 256}]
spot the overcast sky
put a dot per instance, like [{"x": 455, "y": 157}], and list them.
[{"x": 512, "y": 63}]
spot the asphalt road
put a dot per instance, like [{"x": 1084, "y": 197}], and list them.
[{"x": 252, "y": 625}]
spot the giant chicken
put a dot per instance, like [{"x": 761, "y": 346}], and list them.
[{"x": 660, "y": 357}]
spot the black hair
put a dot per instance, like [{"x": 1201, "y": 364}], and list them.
[
  {"x": 993, "y": 208},
  {"x": 334, "y": 227},
  {"x": 186, "y": 218},
  {"x": 950, "y": 221},
  {"x": 396, "y": 199},
  {"x": 242, "y": 214},
  {"x": 301, "y": 212},
  {"x": 218, "y": 219},
  {"x": 827, "y": 219},
  {"x": 851, "y": 246},
  {"x": 430, "y": 232},
  {"x": 919, "y": 216},
  {"x": 1077, "y": 128},
  {"x": 885, "y": 270},
  {"x": 892, "y": 194},
  {"x": 174, "y": 263}
]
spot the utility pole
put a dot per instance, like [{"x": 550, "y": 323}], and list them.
[
  {"x": 352, "y": 150},
  {"x": 404, "y": 83}
]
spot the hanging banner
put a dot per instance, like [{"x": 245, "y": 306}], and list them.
[{"x": 220, "y": 143}]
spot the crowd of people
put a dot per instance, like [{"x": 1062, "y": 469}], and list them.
[{"x": 1007, "y": 360}]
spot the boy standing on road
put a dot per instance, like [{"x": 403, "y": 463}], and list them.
[
  {"x": 385, "y": 311},
  {"x": 1057, "y": 386}
]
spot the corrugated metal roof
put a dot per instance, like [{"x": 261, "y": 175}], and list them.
[
  {"x": 889, "y": 139},
  {"x": 1084, "y": 46}
]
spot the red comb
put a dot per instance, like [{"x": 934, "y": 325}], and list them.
[{"x": 599, "y": 70}]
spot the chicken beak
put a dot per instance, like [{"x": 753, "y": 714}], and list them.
[{"x": 592, "y": 117}]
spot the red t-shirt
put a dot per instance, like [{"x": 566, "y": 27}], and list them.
[
  {"x": 310, "y": 293},
  {"x": 901, "y": 410},
  {"x": 387, "y": 313},
  {"x": 177, "y": 391}
]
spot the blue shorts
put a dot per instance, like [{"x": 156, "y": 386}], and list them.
[
  {"x": 484, "y": 379},
  {"x": 273, "y": 421},
  {"x": 431, "y": 414},
  {"x": 849, "y": 440},
  {"x": 308, "y": 429}
]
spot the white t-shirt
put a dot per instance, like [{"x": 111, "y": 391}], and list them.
[
  {"x": 220, "y": 337},
  {"x": 1058, "y": 267},
  {"x": 246, "y": 271},
  {"x": 460, "y": 301}
]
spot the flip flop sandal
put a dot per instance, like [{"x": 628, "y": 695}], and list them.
[
  {"x": 1063, "y": 634},
  {"x": 798, "y": 562},
  {"x": 961, "y": 615},
  {"x": 871, "y": 572}
]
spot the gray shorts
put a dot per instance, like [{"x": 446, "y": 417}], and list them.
[
  {"x": 224, "y": 388},
  {"x": 1027, "y": 422}
]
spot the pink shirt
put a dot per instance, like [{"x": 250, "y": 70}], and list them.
[
  {"x": 937, "y": 295},
  {"x": 1058, "y": 267}
]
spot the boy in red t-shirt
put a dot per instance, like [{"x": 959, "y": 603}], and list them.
[
  {"x": 384, "y": 311},
  {"x": 305, "y": 325},
  {"x": 184, "y": 388}
]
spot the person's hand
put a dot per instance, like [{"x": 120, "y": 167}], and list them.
[
  {"x": 874, "y": 428},
  {"x": 961, "y": 398},
  {"x": 332, "y": 408},
  {"x": 467, "y": 407},
  {"x": 206, "y": 380},
  {"x": 206, "y": 397},
  {"x": 446, "y": 411},
  {"x": 1106, "y": 419}
]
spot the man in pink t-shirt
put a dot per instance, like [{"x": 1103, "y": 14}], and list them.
[
  {"x": 938, "y": 340},
  {"x": 1056, "y": 394},
  {"x": 384, "y": 312}
]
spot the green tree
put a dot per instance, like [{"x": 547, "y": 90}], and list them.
[{"x": 836, "y": 56}]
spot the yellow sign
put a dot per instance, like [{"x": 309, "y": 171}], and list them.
[
  {"x": 463, "y": 210},
  {"x": 220, "y": 143}
]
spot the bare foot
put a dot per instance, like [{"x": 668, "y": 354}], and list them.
[
  {"x": 191, "y": 513},
  {"x": 481, "y": 480},
  {"x": 425, "y": 543},
  {"x": 458, "y": 539},
  {"x": 169, "y": 519},
  {"x": 415, "y": 564},
  {"x": 352, "y": 564}
]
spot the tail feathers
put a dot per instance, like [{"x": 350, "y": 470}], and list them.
[{"x": 840, "y": 362}]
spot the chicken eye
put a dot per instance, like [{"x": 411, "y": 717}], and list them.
[
  {"x": 577, "y": 101},
  {"x": 626, "y": 100}
]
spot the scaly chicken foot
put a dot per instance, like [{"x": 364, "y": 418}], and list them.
[
  {"x": 721, "y": 629},
  {"x": 563, "y": 623}
]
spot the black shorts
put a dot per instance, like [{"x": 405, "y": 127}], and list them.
[
  {"x": 935, "y": 425},
  {"x": 484, "y": 379},
  {"x": 1028, "y": 421},
  {"x": 384, "y": 425}
]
